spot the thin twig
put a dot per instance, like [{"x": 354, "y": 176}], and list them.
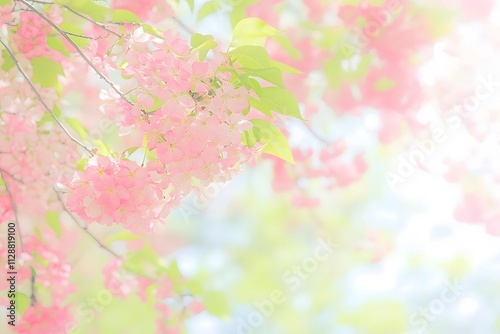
[
  {"x": 311, "y": 131},
  {"x": 102, "y": 26},
  {"x": 10, "y": 175},
  {"x": 77, "y": 48},
  {"x": 41, "y": 2},
  {"x": 185, "y": 27},
  {"x": 33, "y": 296},
  {"x": 14, "y": 207},
  {"x": 78, "y": 35},
  {"x": 23, "y": 73},
  {"x": 84, "y": 228}
]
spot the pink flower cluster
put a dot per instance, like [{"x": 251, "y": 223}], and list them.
[
  {"x": 118, "y": 191},
  {"x": 31, "y": 37},
  {"x": 6, "y": 16},
  {"x": 48, "y": 320},
  {"x": 190, "y": 114},
  {"x": 153, "y": 10}
]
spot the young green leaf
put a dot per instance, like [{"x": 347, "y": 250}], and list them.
[
  {"x": 122, "y": 15},
  {"x": 87, "y": 7},
  {"x": 46, "y": 71},
  {"x": 251, "y": 56},
  {"x": 262, "y": 107},
  {"x": 202, "y": 44},
  {"x": 22, "y": 302},
  {"x": 52, "y": 218},
  {"x": 281, "y": 101},
  {"x": 284, "y": 67},
  {"x": 274, "y": 141},
  {"x": 208, "y": 8},
  {"x": 78, "y": 127},
  {"x": 252, "y": 31},
  {"x": 8, "y": 63},
  {"x": 216, "y": 303},
  {"x": 270, "y": 74}
]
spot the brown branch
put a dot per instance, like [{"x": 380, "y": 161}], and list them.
[
  {"x": 23, "y": 73},
  {"x": 78, "y": 50},
  {"x": 10, "y": 175},
  {"x": 102, "y": 26},
  {"x": 84, "y": 228},
  {"x": 33, "y": 296},
  {"x": 312, "y": 132},
  {"x": 184, "y": 26},
  {"x": 14, "y": 207}
]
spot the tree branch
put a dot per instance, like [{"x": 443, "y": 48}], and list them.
[
  {"x": 33, "y": 296},
  {"x": 10, "y": 175},
  {"x": 184, "y": 26},
  {"x": 14, "y": 208},
  {"x": 77, "y": 48},
  {"x": 102, "y": 26},
  {"x": 84, "y": 228},
  {"x": 23, "y": 73},
  {"x": 312, "y": 132}
]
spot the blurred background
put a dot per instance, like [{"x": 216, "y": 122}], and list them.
[
  {"x": 389, "y": 221},
  {"x": 416, "y": 249}
]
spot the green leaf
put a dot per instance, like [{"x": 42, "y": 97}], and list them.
[
  {"x": 208, "y": 8},
  {"x": 22, "y": 303},
  {"x": 46, "y": 71},
  {"x": 202, "y": 44},
  {"x": 40, "y": 259},
  {"x": 250, "y": 56},
  {"x": 38, "y": 233},
  {"x": 252, "y": 137},
  {"x": 281, "y": 101},
  {"x": 57, "y": 44},
  {"x": 284, "y": 67},
  {"x": 149, "y": 29},
  {"x": 52, "y": 218},
  {"x": 132, "y": 150},
  {"x": 274, "y": 141},
  {"x": 122, "y": 236},
  {"x": 287, "y": 45},
  {"x": 252, "y": 31},
  {"x": 73, "y": 28},
  {"x": 173, "y": 271},
  {"x": 5, "y": 2},
  {"x": 123, "y": 15},
  {"x": 191, "y": 4},
  {"x": 384, "y": 84},
  {"x": 216, "y": 303},
  {"x": 87, "y": 7},
  {"x": 78, "y": 127},
  {"x": 142, "y": 261},
  {"x": 237, "y": 15},
  {"x": 271, "y": 74},
  {"x": 47, "y": 117},
  {"x": 81, "y": 164},
  {"x": 102, "y": 148},
  {"x": 262, "y": 107},
  {"x": 8, "y": 62},
  {"x": 337, "y": 75},
  {"x": 33, "y": 273}
]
